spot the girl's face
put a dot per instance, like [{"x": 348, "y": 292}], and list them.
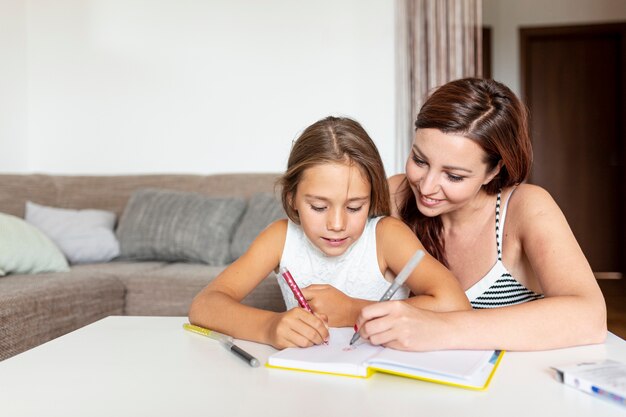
[
  {"x": 333, "y": 201},
  {"x": 445, "y": 171}
]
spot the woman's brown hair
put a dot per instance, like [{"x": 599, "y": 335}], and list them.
[
  {"x": 490, "y": 114},
  {"x": 336, "y": 140}
]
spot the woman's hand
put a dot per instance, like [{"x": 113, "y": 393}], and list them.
[
  {"x": 297, "y": 328},
  {"x": 399, "y": 325},
  {"x": 340, "y": 309}
]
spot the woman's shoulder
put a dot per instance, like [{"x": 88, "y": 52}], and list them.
[
  {"x": 528, "y": 201},
  {"x": 395, "y": 182},
  {"x": 396, "y": 192},
  {"x": 528, "y": 194}
]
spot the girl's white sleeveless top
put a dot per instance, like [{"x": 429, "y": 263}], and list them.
[{"x": 356, "y": 272}]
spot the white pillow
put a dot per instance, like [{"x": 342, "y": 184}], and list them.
[
  {"x": 24, "y": 249},
  {"x": 84, "y": 236}
]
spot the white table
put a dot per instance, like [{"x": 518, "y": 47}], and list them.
[{"x": 150, "y": 366}]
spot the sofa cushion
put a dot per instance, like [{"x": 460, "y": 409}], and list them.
[
  {"x": 263, "y": 209},
  {"x": 38, "y": 308},
  {"x": 175, "y": 226},
  {"x": 169, "y": 289},
  {"x": 24, "y": 249},
  {"x": 84, "y": 236}
]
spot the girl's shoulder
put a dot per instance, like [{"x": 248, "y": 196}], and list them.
[
  {"x": 267, "y": 248},
  {"x": 273, "y": 235},
  {"x": 392, "y": 230},
  {"x": 278, "y": 227}
]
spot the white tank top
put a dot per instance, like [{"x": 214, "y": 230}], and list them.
[{"x": 356, "y": 272}]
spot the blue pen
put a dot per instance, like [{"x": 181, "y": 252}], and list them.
[
  {"x": 602, "y": 378},
  {"x": 608, "y": 395}
]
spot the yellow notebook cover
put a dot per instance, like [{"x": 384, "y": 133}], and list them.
[{"x": 471, "y": 369}]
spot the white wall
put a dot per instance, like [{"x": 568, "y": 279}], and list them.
[
  {"x": 13, "y": 66},
  {"x": 135, "y": 86},
  {"x": 507, "y": 16}
]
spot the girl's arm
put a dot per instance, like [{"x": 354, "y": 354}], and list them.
[
  {"x": 218, "y": 306},
  {"x": 433, "y": 285},
  {"x": 572, "y": 313}
]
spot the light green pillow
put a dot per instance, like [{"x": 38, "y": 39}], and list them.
[{"x": 26, "y": 250}]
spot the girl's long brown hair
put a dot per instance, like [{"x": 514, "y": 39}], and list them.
[
  {"x": 331, "y": 140},
  {"x": 490, "y": 114}
]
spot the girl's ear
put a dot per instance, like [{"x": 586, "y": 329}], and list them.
[
  {"x": 495, "y": 171},
  {"x": 290, "y": 202},
  {"x": 293, "y": 215}
]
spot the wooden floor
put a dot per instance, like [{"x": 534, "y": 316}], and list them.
[{"x": 614, "y": 291}]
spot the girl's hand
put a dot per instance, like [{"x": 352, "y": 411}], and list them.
[
  {"x": 340, "y": 309},
  {"x": 399, "y": 325},
  {"x": 297, "y": 328}
]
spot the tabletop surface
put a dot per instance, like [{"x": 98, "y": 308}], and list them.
[{"x": 150, "y": 366}]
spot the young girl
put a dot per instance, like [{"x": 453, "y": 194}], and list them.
[
  {"x": 507, "y": 243},
  {"x": 336, "y": 243}
]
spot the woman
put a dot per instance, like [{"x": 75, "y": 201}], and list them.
[{"x": 507, "y": 243}]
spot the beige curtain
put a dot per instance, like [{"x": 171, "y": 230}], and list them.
[{"x": 436, "y": 41}]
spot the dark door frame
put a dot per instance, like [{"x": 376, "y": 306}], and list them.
[{"x": 610, "y": 29}]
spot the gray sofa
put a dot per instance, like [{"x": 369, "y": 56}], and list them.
[{"x": 35, "y": 308}]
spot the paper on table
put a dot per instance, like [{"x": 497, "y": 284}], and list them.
[
  {"x": 338, "y": 357},
  {"x": 456, "y": 363},
  {"x": 468, "y": 368}
]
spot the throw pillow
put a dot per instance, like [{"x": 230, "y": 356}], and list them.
[
  {"x": 26, "y": 250},
  {"x": 175, "y": 226},
  {"x": 84, "y": 236},
  {"x": 263, "y": 209}
]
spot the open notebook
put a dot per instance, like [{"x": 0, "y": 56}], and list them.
[{"x": 470, "y": 369}]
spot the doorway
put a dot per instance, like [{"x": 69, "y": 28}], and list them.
[{"x": 574, "y": 83}]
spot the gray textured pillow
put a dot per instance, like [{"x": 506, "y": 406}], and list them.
[
  {"x": 175, "y": 226},
  {"x": 263, "y": 209}
]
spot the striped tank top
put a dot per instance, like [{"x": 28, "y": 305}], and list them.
[{"x": 498, "y": 288}]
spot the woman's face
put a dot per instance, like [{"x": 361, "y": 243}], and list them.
[{"x": 445, "y": 171}]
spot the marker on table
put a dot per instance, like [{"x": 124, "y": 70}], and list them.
[
  {"x": 397, "y": 283},
  {"x": 225, "y": 341},
  {"x": 295, "y": 289}
]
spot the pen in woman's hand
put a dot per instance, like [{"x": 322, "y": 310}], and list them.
[{"x": 397, "y": 283}]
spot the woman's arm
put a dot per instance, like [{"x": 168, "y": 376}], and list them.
[
  {"x": 572, "y": 313},
  {"x": 218, "y": 306}
]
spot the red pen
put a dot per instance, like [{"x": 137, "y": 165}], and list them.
[{"x": 295, "y": 289}]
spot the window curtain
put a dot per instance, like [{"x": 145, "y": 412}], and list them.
[{"x": 436, "y": 41}]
